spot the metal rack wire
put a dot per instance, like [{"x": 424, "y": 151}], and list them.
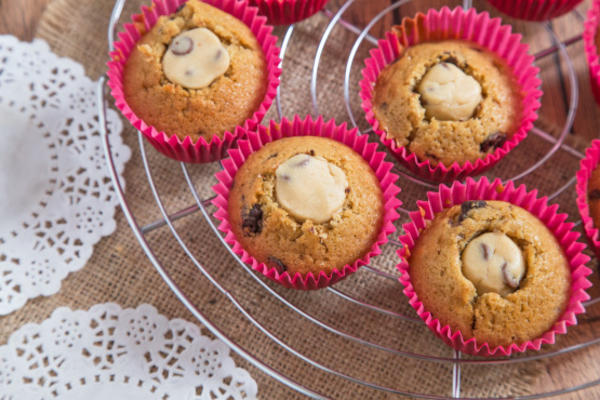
[{"x": 456, "y": 361}]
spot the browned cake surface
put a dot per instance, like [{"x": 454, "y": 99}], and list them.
[
  {"x": 526, "y": 313},
  {"x": 270, "y": 234},
  {"x": 594, "y": 196},
  {"x": 397, "y": 104},
  {"x": 227, "y": 102}
]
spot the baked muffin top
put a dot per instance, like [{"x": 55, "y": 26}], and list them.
[
  {"x": 306, "y": 204},
  {"x": 198, "y": 72},
  {"x": 448, "y": 101},
  {"x": 491, "y": 270}
]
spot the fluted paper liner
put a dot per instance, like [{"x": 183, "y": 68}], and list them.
[
  {"x": 586, "y": 167},
  {"x": 535, "y": 10},
  {"x": 482, "y": 189},
  {"x": 284, "y": 12},
  {"x": 456, "y": 24},
  {"x": 590, "y": 27},
  {"x": 307, "y": 127},
  {"x": 172, "y": 146}
]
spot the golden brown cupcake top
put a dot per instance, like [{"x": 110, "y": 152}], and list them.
[
  {"x": 501, "y": 304},
  {"x": 278, "y": 224},
  {"x": 167, "y": 87},
  {"x": 448, "y": 101}
]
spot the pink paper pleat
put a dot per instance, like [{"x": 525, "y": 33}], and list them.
[
  {"x": 463, "y": 25},
  {"x": 590, "y": 27},
  {"x": 172, "y": 146},
  {"x": 535, "y": 10},
  {"x": 448, "y": 196},
  {"x": 254, "y": 140},
  {"x": 285, "y": 12},
  {"x": 586, "y": 167}
]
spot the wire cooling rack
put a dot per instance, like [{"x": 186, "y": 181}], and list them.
[{"x": 409, "y": 348}]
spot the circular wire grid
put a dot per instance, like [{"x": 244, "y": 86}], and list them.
[{"x": 361, "y": 332}]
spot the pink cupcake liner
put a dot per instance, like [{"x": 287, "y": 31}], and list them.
[
  {"x": 586, "y": 167},
  {"x": 590, "y": 27},
  {"x": 307, "y": 127},
  {"x": 285, "y": 12},
  {"x": 482, "y": 189},
  {"x": 454, "y": 24},
  {"x": 172, "y": 146},
  {"x": 535, "y": 10}
]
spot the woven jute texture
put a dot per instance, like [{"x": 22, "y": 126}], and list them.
[{"x": 119, "y": 270}]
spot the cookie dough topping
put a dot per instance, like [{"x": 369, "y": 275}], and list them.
[
  {"x": 310, "y": 187},
  {"x": 493, "y": 263},
  {"x": 448, "y": 94},
  {"x": 195, "y": 58}
]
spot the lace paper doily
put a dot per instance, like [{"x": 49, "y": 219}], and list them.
[
  {"x": 111, "y": 353},
  {"x": 56, "y": 197}
]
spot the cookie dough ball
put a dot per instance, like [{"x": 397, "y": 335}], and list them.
[
  {"x": 448, "y": 94},
  {"x": 494, "y": 263},
  {"x": 195, "y": 58},
  {"x": 310, "y": 187}
]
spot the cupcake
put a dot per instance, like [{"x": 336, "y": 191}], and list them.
[
  {"x": 284, "y": 12},
  {"x": 591, "y": 39},
  {"x": 492, "y": 269},
  {"x": 588, "y": 193},
  {"x": 450, "y": 92},
  {"x": 449, "y": 101},
  {"x": 195, "y": 74},
  {"x": 535, "y": 10},
  {"x": 308, "y": 203}
]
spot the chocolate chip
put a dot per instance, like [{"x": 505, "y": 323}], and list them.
[
  {"x": 189, "y": 72},
  {"x": 493, "y": 141},
  {"x": 445, "y": 65},
  {"x": 594, "y": 194},
  {"x": 485, "y": 249},
  {"x": 311, "y": 152},
  {"x": 180, "y": 8},
  {"x": 182, "y": 46},
  {"x": 272, "y": 156},
  {"x": 252, "y": 220},
  {"x": 383, "y": 106},
  {"x": 510, "y": 280},
  {"x": 450, "y": 59},
  {"x": 347, "y": 190},
  {"x": 477, "y": 49},
  {"x": 285, "y": 177},
  {"x": 468, "y": 206},
  {"x": 277, "y": 263},
  {"x": 218, "y": 55}
]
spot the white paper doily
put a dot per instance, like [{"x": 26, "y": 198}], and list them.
[
  {"x": 111, "y": 353},
  {"x": 56, "y": 197}
]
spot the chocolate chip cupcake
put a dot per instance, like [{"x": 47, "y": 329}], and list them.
[
  {"x": 199, "y": 72},
  {"x": 448, "y": 101},
  {"x": 450, "y": 92},
  {"x": 492, "y": 271},
  {"x": 306, "y": 204}
]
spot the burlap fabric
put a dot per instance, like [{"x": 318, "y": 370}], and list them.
[{"x": 119, "y": 271}]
